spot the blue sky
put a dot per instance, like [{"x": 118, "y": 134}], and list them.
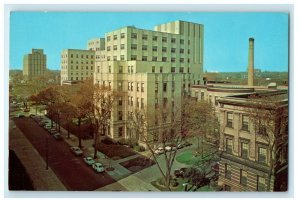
[{"x": 225, "y": 35}]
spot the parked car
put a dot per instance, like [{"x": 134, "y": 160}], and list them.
[
  {"x": 180, "y": 146},
  {"x": 20, "y": 115},
  {"x": 26, "y": 110},
  {"x": 77, "y": 151},
  {"x": 57, "y": 136},
  {"x": 52, "y": 131},
  {"x": 89, "y": 160},
  {"x": 159, "y": 151},
  {"x": 171, "y": 148},
  {"x": 32, "y": 116},
  {"x": 180, "y": 172},
  {"x": 98, "y": 167}
]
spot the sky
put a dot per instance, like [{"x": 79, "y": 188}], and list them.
[{"x": 226, "y": 35}]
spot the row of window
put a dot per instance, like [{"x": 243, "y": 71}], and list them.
[
  {"x": 77, "y": 56},
  {"x": 245, "y": 121},
  {"x": 130, "y": 86},
  {"x": 244, "y": 150},
  {"x": 72, "y": 62},
  {"x": 77, "y": 68},
  {"x": 145, "y": 58},
  {"x": 138, "y": 104},
  {"x": 77, "y": 78},
  {"x": 261, "y": 181},
  {"x": 145, "y": 37},
  {"x": 82, "y": 73}
]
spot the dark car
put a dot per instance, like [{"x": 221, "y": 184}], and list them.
[{"x": 180, "y": 172}]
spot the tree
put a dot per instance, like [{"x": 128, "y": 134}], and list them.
[
  {"x": 68, "y": 112},
  {"x": 167, "y": 126},
  {"x": 201, "y": 121},
  {"x": 269, "y": 115}
]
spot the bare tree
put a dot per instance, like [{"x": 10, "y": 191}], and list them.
[{"x": 269, "y": 116}]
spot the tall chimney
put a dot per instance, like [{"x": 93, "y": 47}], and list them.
[{"x": 251, "y": 62}]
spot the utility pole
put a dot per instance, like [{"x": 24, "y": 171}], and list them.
[{"x": 47, "y": 155}]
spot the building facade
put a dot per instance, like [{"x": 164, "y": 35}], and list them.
[
  {"x": 245, "y": 153},
  {"x": 77, "y": 65},
  {"x": 152, "y": 68},
  {"x": 34, "y": 64}
]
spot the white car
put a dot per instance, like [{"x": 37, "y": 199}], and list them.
[
  {"x": 98, "y": 167},
  {"x": 76, "y": 150},
  {"x": 89, "y": 160},
  {"x": 159, "y": 151}
]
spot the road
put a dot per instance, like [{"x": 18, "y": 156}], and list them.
[{"x": 71, "y": 170}]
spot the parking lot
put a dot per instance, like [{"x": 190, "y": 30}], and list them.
[{"x": 70, "y": 169}]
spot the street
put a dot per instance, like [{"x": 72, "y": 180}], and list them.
[{"x": 71, "y": 170}]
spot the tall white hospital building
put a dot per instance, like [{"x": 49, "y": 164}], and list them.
[{"x": 153, "y": 68}]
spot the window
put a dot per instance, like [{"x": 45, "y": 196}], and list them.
[
  {"x": 133, "y": 57},
  {"x": 129, "y": 86},
  {"x": 109, "y": 85},
  {"x": 120, "y": 85},
  {"x": 115, "y": 47},
  {"x": 122, "y": 35},
  {"x": 153, "y": 68},
  {"x": 262, "y": 155},
  {"x": 109, "y": 69},
  {"x": 108, "y": 38},
  {"x": 202, "y": 95},
  {"x": 120, "y": 115},
  {"x": 128, "y": 101},
  {"x": 137, "y": 103},
  {"x": 154, "y": 38},
  {"x": 108, "y": 48},
  {"x": 120, "y": 69},
  {"x": 244, "y": 150},
  {"x": 120, "y": 101},
  {"x": 160, "y": 69},
  {"x": 227, "y": 171},
  {"x": 243, "y": 177},
  {"x": 164, "y": 39},
  {"x": 122, "y": 46},
  {"x": 122, "y": 57},
  {"x": 142, "y": 103},
  {"x": 173, "y": 59},
  {"x": 164, "y": 59},
  {"x": 156, "y": 87},
  {"x": 108, "y": 58},
  {"x": 173, "y": 50},
  {"x": 131, "y": 69},
  {"x": 144, "y": 47},
  {"x": 165, "y": 102},
  {"x": 115, "y": 58},
  {"x": 181, "y": 69},
  {"x": 144, "y": 37},
  {"x": 165, "y": 87},
  {"x": 142, "y": 87},
  {"x": 115, "y": 37},
  {"x": 229, "y": 145},
  {"x": 173, "y": 69},
  {"x": 181, "y": 50},
  {"x": 120, "y": 131},
  {"x": 229, "y": 119},
  {"x": 245, "y": 122},
  {"x": 144, "y": 58},
  {"x": 133, "y": 35},
  {"x": 133, "y": 46},
  {"x": 131, "y": 100},
  {"x": 154, "y": 48},
  {"x": 181, "y": 41},
  {"x": 181, "y": 59},
  {"x": 164, "y": 49},
  {"x": 137, "y": 87},
  {"x": 261, "y": 183},
  {"x": 173, "y": 40},
  {"x": 154, "y": 58}
]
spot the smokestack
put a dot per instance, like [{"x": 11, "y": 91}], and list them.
[{"x": 251, "y": 62}]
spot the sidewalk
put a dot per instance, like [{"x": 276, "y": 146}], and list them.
[{"x": 42, "y": 179}]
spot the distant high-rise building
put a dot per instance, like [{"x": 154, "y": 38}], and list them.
[{"x": 34, "y": 64}]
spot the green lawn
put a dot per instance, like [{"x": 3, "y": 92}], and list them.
[{"x": 189, "y": 158}]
